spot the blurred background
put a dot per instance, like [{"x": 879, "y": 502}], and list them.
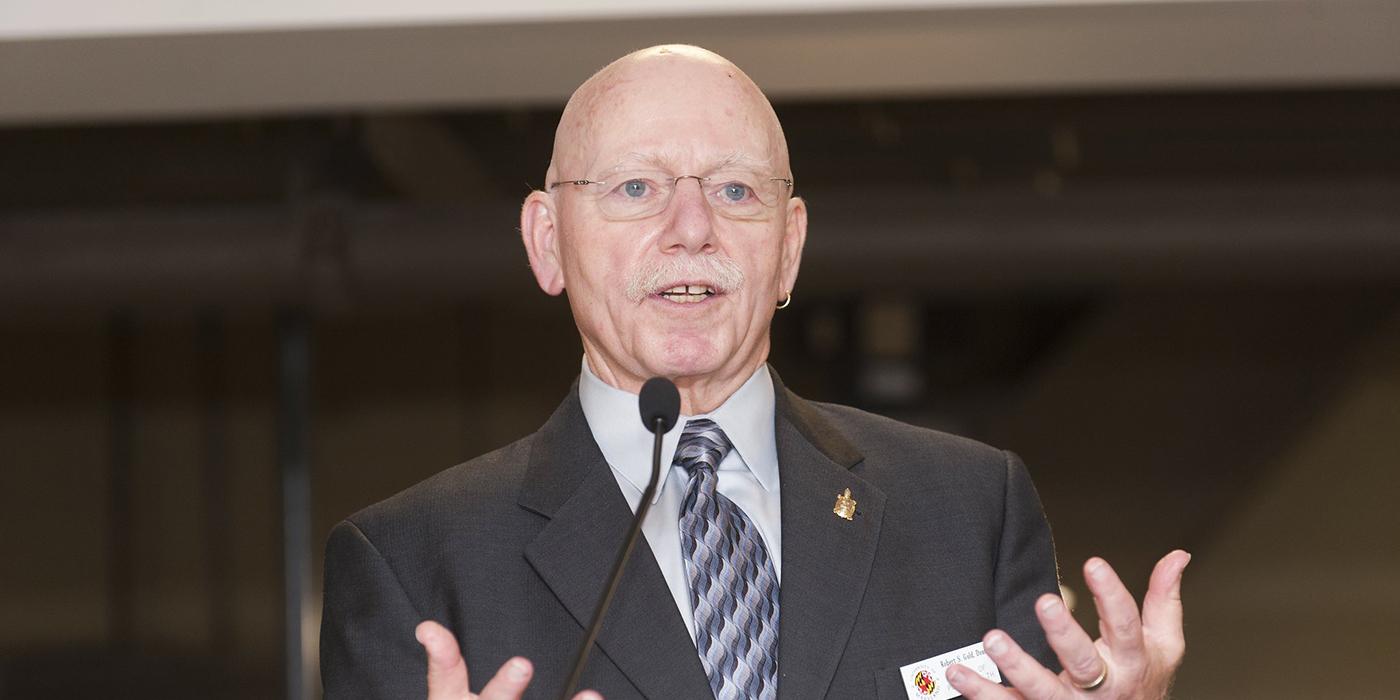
[{"x": 259, "y": 268}]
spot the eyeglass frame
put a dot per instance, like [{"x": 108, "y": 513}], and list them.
[{"x": 675, "y": 184}]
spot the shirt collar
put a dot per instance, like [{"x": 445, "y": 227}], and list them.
[{"x": 746, "y": 417}]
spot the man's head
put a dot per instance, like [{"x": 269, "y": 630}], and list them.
[{"x": 631, "y": 242}]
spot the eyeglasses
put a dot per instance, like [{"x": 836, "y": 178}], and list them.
[{"x": 631, "y": 195}]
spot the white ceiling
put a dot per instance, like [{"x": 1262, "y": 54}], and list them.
[
  {"x": 37, "y": 19},
  {"x": 160, "y": 59}
]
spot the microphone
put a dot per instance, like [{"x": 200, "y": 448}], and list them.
[
  {"x": 660, "y": 405},
  {"x": 659, "y": 401}
]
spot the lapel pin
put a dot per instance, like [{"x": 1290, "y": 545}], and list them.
[{"x": 845, "y": 506}]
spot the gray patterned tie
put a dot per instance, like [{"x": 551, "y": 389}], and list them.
[{"x": 733, "y": 585}]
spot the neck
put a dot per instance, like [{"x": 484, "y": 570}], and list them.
[
  {"x": 699, "y": 393},
  {"x": 704, "y": 394}
]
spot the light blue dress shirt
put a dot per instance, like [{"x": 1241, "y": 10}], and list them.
[{"x": 748, "y": 475}]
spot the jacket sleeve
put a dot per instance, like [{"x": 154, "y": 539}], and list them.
[
  {"x": 1026, "y": 567},
  {"x": 368, "y": 649}
]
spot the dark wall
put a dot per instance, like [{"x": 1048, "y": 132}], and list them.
[{"x": 1084, "y": 280}]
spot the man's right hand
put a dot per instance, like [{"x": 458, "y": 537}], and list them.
[{"x": 447, "y": 671}]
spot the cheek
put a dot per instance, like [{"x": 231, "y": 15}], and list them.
[
  {"x": 609, "y": 255},
  {"x": 590, "y": 265},
  {"x": 762, "y": 260}
]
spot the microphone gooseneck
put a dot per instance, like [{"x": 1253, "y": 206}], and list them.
[{"x": 660, "y": 406}]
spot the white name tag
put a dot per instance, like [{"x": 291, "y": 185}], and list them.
[{"x": 924, "y": 680}]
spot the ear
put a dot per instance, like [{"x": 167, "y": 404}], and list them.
[
  {"x": 794, "y": 237},
  {"x": 540, "y": 232}
]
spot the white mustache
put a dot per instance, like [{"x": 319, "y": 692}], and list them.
[{"x": 721, "y": 273}]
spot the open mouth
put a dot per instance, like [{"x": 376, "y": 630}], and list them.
[{"x": 688, "y": 293}]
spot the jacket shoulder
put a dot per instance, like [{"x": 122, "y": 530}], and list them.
[
  {"x": 478, "y": 490},
  {"x": 911, "y": 459},
  {"x": 878, "y": 436}
]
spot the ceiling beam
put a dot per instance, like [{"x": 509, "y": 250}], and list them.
[{"x": 357, "y": 254}]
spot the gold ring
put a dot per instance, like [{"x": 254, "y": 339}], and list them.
[
  {"x": 786, "y": 301},
  {"x": 1094, "y": 684}
]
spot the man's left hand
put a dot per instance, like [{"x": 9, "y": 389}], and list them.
[{"x": 1135, "y": 658}]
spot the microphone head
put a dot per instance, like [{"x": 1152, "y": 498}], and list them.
[{"x": 659, "y": 399}]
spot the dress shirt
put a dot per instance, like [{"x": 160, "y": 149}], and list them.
[{"x": 748, "y": 475}]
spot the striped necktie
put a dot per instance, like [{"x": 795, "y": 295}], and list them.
[{"x": 733, "y": 585}]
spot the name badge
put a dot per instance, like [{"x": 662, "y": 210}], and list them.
[{"x": 924, "y": 680}]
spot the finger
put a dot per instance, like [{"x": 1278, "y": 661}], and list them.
[
  {"x": 509, "y": 682},
  {"x": 1071, "y": 643},
  {"x": 588, "y": 695},
  {"x": 1161, "y": 607},
  {"x": 447, "y": 670},
  {"x": 975, "y": 687},
  {"x": 1118, "y": 612},
  {"x": 1024, "y": 672}
]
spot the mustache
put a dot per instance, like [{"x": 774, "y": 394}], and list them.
[{"x": 721, "y": 273}]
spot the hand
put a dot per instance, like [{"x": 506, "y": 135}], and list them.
[
  {"x": 447, "y": 670},
  {"x": 1139, "y": 655}
]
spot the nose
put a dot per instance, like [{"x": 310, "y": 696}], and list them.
[{"x": 690, "y": 226}]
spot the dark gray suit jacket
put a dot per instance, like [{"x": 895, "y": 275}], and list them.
[{"x": 511, "y": 551}]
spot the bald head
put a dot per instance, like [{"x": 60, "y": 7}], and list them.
[{"x": 649, "y": 98}]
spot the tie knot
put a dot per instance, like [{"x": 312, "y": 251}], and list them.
[{"x": 703, "y": 446}]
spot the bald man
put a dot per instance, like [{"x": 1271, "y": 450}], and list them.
[{"x": 793, "y": 550}]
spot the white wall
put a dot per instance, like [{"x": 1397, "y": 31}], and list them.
[{"x": 98, "y": 61}]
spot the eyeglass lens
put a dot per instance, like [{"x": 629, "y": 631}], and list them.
[{"x": 640, "y": 194}]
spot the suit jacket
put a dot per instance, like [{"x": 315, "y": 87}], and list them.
[{"x": 512, "y": 550}]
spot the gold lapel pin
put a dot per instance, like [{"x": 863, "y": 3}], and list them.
[{"x": 845, "y": 506}]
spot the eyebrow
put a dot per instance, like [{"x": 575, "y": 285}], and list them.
[{"x": 662, "y": 162}]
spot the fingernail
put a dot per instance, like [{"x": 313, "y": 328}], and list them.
[
  {"x": 955, "y": 674},
  {"x": 1050, "y": 606},
  {"x": 996, "y": 644},
  {"x": 518, "y": 670},
  {"x": 1097, "y": 567}
]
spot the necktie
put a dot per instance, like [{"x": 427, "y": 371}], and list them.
[{"x": 733, "y": 585}]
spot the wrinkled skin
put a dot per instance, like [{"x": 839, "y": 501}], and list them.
[{"x": 687, "y": 111}]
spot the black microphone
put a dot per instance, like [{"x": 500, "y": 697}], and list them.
[
  {"x": 660, "y": 406},
  {"x": 659, "y": 401}
]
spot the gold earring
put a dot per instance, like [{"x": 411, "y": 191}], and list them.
[{"x": 786, "y": 301}]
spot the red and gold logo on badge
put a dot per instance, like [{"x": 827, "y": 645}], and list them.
[{"x": 924, "y": 682}]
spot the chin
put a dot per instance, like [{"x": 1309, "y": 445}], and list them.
[{"x": 688, "y": 356}]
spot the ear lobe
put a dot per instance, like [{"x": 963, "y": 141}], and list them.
[
  {"x": 540, "y": 234},
  {"x": 794, "y": 238}
]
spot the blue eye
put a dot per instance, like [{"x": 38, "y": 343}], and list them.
[
  {"x": 634, "y": 188},
  {"x": 735, "y": 192}
]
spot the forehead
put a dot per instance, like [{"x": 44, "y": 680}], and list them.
[{"x": 677, "y": 117}]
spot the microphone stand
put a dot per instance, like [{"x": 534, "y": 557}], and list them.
[{"x": 658, "y": 429}]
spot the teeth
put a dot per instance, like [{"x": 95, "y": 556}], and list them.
[
  {"x": 688, "y": 293},
  {"x": 690, "y": 289}
]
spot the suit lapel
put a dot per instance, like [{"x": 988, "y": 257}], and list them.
[
  {"x": 826, "y": 559},
  {"x": 569, "y": 482}
]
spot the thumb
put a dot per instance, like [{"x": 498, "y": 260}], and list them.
[{"x": 447, "y": 670}]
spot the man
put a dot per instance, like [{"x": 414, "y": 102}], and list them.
[{"x": 794, "y": 549}]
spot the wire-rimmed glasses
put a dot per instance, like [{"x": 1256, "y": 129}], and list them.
[{"x": 631, "y": 195}]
